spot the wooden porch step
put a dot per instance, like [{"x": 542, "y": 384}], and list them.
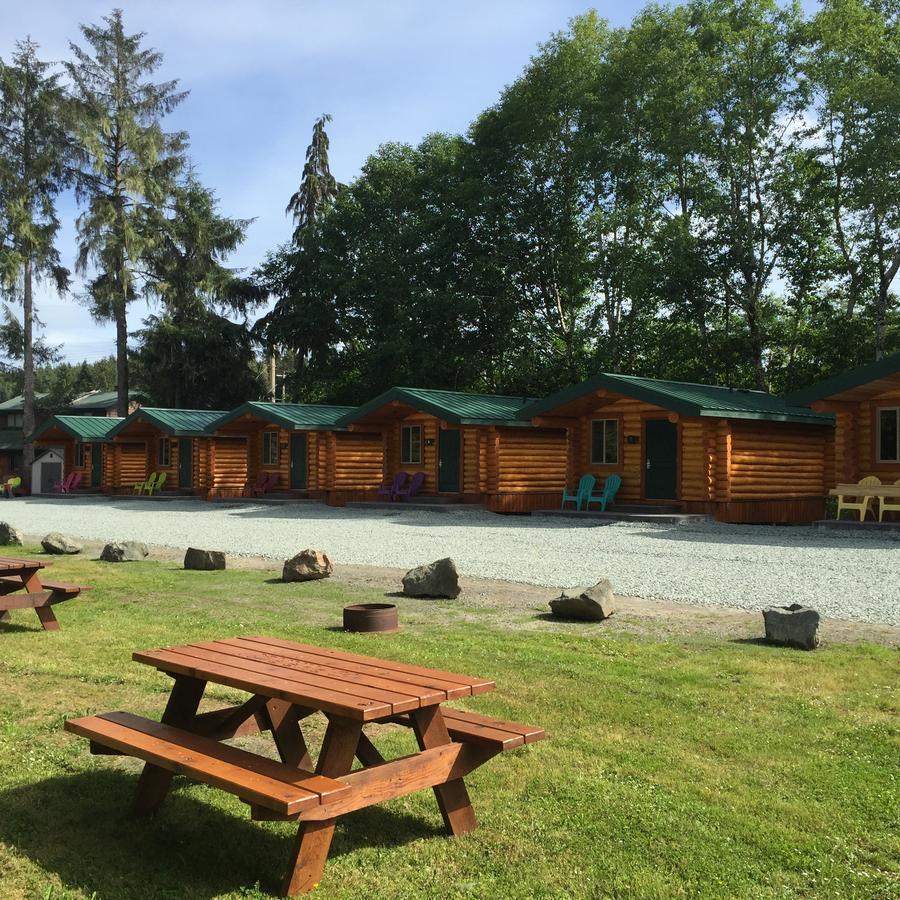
[{"x": 255, "y": 779}]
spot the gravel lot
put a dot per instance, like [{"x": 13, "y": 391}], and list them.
[{"x": 844, "y": 575}]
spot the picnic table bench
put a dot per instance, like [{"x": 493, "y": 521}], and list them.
[
  {"x": 23, "y": 574},
  {"x": 287, "y": 683}
]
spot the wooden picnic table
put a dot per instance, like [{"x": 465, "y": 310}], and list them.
[
  {"x": 23, "y": 575},
  {"x": 287, "y": 683}
]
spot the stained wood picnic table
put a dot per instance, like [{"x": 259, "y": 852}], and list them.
[
  {"x": 23, "y": 575},
  {"x": 289, "y": 682}
]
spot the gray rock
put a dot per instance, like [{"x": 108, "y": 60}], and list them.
[
  {"x": 792, "y": 626},
  {"x": 307, "y": 565},
  {"x": 589, "y": 604},
  {"x": 10, "y": 535},
  {"x": 437, "y": 579},
  {"x": 124, "y": 551},
  {"x": 60, "y": 545},
  {"x": 204, "y": 560}
]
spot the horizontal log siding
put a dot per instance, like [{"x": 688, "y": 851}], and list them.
[
  {"x": 474, "y": 461},
  {"x": 255, "y": 456},
  {"x": 698, "y": 459},
  {"x": 229, "y": 464},
  {"x": 355, "y": 461},
  {"x": 392, "y": 450},
  {"x": 771, "y": 461},
  {"x": 531, "y": 460},
  {"x": 866, "y": 435},
  {"x": 130, "y": 464}
]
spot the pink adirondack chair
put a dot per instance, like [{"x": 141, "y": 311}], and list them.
[
  {"x": 264, "y": 483},
  {"x": 62, "y": 487},
  {"x": 75, "y": 483}
]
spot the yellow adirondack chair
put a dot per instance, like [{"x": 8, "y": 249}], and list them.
[
  {"x": 862, "y": 503},
  {"x": 888, "y": 504}
]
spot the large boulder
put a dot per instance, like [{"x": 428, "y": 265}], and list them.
[
  {"x": 307, "y": 565},
  {"x": 10, "y": 535},
  {"x": 124, "y": 551},
  {"x": 437, "y": 579},
  {"x": 204, "y": 560},
  {"x": 589, "y": 604},
  {"x": 60, "y": 545},
  {"x": 792, "y": 626}
]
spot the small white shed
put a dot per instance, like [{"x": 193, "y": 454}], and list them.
[{"x": 47, "y": 470}]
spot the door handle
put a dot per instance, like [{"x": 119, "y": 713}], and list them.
[{"x": 648, "y": 462}]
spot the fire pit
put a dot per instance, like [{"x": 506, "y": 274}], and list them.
[{"x": 371, "y": 617}]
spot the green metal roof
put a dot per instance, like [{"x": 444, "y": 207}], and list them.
[
  {"x": 16, "y": 404},
  {"x": 99, "y": 399},
  {"x": 294, "y": 416},
  {"x": 846, "y": 381},
  {"x": 452, "y": 406},
  {"x": 87, "y": 429},
  {"x": 687, "y": 399},
  {"x": 11, "y": 439},
  {"x": 181, "y": 422}
]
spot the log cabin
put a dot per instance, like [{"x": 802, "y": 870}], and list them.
[
  {"x": 738, "y": 455},
  {"x": 289, "y": 441},
  {"x": 865, "y": 403},
  {"x": 81, "y": 441},
  {"x": 472, "y": 448},
  {"x": 174, "y": 441}
]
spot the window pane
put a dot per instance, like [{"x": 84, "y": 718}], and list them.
[
  {"x": 611, "y": 441},
  {"x": 597, "y": 441},
  {"x": 415, "y": 445},
  {"x": 888, "y": 432}
]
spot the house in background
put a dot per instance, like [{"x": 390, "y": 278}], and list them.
[
  {"x": 289, "y": 441},
  {"x": 101, "y": 403},
  {"x": 742, "y": 456},
  {"x": 12, "y": 438},
  {"x": 865, "y": 403}
]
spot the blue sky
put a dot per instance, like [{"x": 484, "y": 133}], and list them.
[{"x": 260, "y": 72}]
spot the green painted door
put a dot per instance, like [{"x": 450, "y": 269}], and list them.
[
  {"x": 185, "y": 462},
  {"x": 448, "y": 462},
  {"x": 660, "y": 460},
  {"x": 298, "y": 461},
  {"x": 96, "y": 465}
]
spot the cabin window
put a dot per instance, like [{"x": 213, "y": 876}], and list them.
[
  {"x": 605, "y": 442},
  {"x": 15, "y": 420},
  {"x": 79, "y": 456},
  {"x": 889, "y": 435},
  {"x": 164, "y": 453},
  {"x": 270, "y": 448},
  {"x": 411, "y": 445}
]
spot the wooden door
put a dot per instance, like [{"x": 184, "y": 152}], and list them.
[{"x": 660, "y": 460}]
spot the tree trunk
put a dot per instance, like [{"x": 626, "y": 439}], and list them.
[
  {"x": 121, "y": 359},
  {"x": 28, "y": 379}
]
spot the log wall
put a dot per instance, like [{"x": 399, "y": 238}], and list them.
[
  {"x": 531, "y": 460},
  {"x": 354, "y": 461},
  {"x": 228, "y": 465}
]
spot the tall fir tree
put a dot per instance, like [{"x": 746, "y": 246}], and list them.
[
  {"x": 128, "y": 167},
  {"x": 34, "y": 151}
]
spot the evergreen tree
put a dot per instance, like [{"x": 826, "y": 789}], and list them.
[
  {"x": 33, "y": 156},
  {"x": 128, "y": 167}
]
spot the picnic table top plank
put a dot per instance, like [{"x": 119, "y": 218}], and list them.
[{"x": 14, "y": 564}]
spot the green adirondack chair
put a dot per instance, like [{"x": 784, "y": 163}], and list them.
[
  {"x": 148, "y": 485},
  {"x": 585, "y": 488},
  {"x": 610, "y": 488},
  {"x": 160, "y": 481}
]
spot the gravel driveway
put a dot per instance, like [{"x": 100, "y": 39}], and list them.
[{"x": 842, "y": 574}]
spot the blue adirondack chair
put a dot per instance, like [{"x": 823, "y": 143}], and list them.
[
  {"x": 585, "y": 487},
  {"x": 608, "y": 494}
]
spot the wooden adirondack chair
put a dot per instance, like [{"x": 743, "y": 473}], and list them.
[
  {"x": 10, "y": 485},
  {"x": 862, "y": 503},
  {"x": 63, "y": 487},
  {"x": 391, "y": 490},
  {"x": 75, "y": 483},
  {"x": 585, "y": 489},
  {"x": 888, "y": 504},
  {"x": 148, "y": 485},
  {"x": 610, "y": 487},
  {"x": 413, "y": 488},
  {"x": 160, "y": 481}
]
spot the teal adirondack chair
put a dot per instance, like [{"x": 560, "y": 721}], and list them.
[
  {"x": 607, "y": 495},
  {"x": 585, "y": 488}
]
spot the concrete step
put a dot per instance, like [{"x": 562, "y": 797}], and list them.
[
  {"x": 867, "y": 527},
  {"x": 657, "y": 518},
  {"x": 410, "y": 506}
]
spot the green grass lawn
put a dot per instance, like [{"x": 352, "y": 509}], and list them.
[{"x": 675, "y": 766}]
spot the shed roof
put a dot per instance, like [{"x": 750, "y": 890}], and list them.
[
  {"x": 873, "y": 374},
  {"x": 182, "y": 422},
  {"x": 453, "y": 406},
  {"x": 83, "y": 428},
  {"x": 14, "y": 404},
  {"x": 687, "y": 399},
  {"x": 293, "y": 416}
]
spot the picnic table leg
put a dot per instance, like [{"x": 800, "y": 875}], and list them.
[
  {"x": 154, "y": 782},
  {"x": 452, "y": 797},
  {"x": 313, "y": 839},
  {"x": 285, "y": 720},
  {"x": 47, "y": 617},
  {"x": 5, "y": 616}
]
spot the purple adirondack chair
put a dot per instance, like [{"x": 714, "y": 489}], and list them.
[
  {"x": 393, "y": 489},
  {"x": 413, "y": 488}
]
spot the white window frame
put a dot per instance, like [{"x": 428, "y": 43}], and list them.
[
  {"x": 896, "y": 411},
  {"x": 79, "y": 455},
  {"x": 603, "y": 461},
  {"x": 271, "y": 440},
  {"x": 404, "y": 461}
]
